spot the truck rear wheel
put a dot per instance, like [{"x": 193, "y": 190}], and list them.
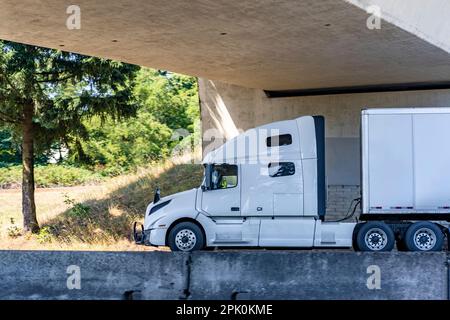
[
  {"x": 375, "y": 236},
  {"x": 424, "y": 236},
  {"x": 186, "y": 236}
]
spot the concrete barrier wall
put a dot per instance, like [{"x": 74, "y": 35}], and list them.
[
  {"x": 102, "y": 275},
  {"x": 222, "y": 275},
  {"x": 318, "y": 275}
]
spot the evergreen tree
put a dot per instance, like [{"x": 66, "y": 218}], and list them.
[{"x": 46, "y": 94}]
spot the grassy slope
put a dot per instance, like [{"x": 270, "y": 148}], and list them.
[{"x": 96, "y": 217}]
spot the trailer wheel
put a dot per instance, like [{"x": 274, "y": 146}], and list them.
[
  {"x": 186, "y": 236},
  {"x": 375, "y": 236},
  {"x": 424, "y": 236}
]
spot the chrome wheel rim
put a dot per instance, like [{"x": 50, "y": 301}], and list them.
[
  {"x": 185, "y": 240},
  {"x": 376, "y": 239},
  {"x": 424, "y": 239}
]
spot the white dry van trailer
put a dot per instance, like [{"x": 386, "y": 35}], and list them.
[{"x": 267, "y": 188}]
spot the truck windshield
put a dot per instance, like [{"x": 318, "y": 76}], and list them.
[{"x": 224, "y": 176}]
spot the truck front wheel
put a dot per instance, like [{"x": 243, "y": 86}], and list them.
[
  {"x": 424, "y": 236},
  {"x": 375, "y": 236},
  {"x": 186, "y": 236}
]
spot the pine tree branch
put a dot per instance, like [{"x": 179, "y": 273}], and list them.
[
  {"x": 6, "y": 118},
  {"x": 57, "y": 80},
  {"x": 4, "y": 76},
  {"x": 47, "y": 73}
]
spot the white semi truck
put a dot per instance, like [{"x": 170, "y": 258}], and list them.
[{"x": 267, "y": 188}]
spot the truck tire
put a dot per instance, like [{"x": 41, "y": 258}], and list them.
[
  {"x": 355, "y": 237},
  {"x": 375, "y": 236},
  {"x": 186, "y": 237},
  {"x": 424, "y": 236}
]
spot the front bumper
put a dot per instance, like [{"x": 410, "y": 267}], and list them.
[
  {"x": 150, "y": 237},
  {"x": 140, "y": 235}
]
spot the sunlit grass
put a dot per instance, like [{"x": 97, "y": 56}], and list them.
[{"x": 93, "y": 217}]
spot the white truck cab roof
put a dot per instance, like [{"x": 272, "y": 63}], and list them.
[{"x": 289, "y": 139}]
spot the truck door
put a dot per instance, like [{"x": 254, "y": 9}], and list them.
[
  {"x": 288, "y": 226},
  {"x": 224, "y": 197},
  {"x": 272, "y": 189}
]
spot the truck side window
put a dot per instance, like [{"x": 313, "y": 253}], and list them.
[
  {"x": 224, "y": 176},
  {"x": 281, "y": 169},
  {"x": 281, "y": 140}
]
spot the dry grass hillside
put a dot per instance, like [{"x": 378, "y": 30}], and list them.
[{"x": 92, "y": 217}]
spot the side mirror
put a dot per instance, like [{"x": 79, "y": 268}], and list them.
[
  {"x": 208, "y": 173},
  {"x": 157, "y": 195}
]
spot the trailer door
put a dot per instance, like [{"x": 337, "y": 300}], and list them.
[
  {"x": 389, "y": 162},
  {"x": 431, "y": 162}
]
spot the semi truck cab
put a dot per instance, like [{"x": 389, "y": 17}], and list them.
[
  {"x": 267, "y": 188},
  {"x": 264, "y": 188}
]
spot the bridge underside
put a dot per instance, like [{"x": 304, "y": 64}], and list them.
[{"x": 270, "y": 45}]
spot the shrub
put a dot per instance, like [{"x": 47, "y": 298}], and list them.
[
  {"x": 13, "y": 230},
  {"x": 77, "y": 210},
  {"x": 44, "y": 235},
  {"x": 10, "y": 177},
  {"x": 50, "y": 176}
]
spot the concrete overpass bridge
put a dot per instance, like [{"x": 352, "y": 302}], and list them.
[{"x": 260, "y": 61}]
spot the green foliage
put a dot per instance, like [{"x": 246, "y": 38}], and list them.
[
  {"x": 110, "y": 116},
  {"x": 77, "y": 210},
  {"x": 61, "y": 175},
  {"x": 10, "y": 176},
  {"x": 9, "y": 149},
  {"x": 171, "y": 98},
  {"x": 167, "y": 113},
  {"x": 46, "y": 95},
  {"x": 120, "y": 145},
  {"x": 110, "y": 147},
  {"x": 50, "y": 176},
  {"x": 44, "y": 235},
  {"x": 63, "y": 88}
]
